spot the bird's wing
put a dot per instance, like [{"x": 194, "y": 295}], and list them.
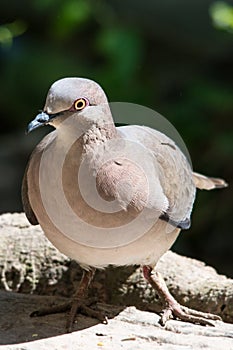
[
  {"x": 25, "y": 200},
  {"x": 173, "y": 170},
  {"x": 165, "y": 185},
  {"x": 36, "y": 154},
  {"x": 203, "y": 182},
  {"x": 123, "y": 180}
]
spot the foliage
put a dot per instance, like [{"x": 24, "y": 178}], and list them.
[{"x": 222, "y": 15}]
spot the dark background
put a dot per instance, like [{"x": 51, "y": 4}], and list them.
[{"x": 173, "y": 56}]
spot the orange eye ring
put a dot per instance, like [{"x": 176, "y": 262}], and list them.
[{"x": 80, "y": 104}]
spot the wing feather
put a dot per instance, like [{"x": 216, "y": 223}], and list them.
[
  {"x": 173, "y": 168},
  {"x": 208, "y": 183},
  {"x": 25, "y": 200}
]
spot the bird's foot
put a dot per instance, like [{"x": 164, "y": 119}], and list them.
[
  {"x": 172, "y": 308},
  {"x": 177, "y": 311},
  {"x": 75, "y": 306},
  {"x": 83, "y": 307},
  {"x": 79, "y": 304}
]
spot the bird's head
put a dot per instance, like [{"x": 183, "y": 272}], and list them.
[{"x": 78, "y": 97}]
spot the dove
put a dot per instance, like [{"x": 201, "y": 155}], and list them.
[{"x": 107, "y": 195}]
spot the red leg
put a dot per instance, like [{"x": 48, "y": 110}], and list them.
[
  {"x": 79, "y": 302},
  {"x": 172, "y": 309}
]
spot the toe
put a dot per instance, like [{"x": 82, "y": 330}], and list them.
[
  {"x": 166, "y": 315},
  {"x": 94, "y": 313},
  {"x": 205, "y": 315},
  {"x": 51, "y": 310}
]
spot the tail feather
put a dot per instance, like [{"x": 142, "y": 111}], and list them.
[{"x": 208, "y": 183}]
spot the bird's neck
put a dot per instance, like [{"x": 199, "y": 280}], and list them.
[
  {"x": 93, "y": 145},
  {"x": 97, "y": 135},
  {"x": 97, "y": 145}
]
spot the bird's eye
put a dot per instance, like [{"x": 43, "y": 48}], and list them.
[{"x": 80, "y": 104}]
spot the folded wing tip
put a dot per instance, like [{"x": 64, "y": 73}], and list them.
[
  {"x": 208, "y": 183},
  {"x": 219, "y": 183}
]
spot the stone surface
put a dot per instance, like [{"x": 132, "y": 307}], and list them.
[
  {"x": 30, "y": 264},
  {"x": 128, "y": 329}
]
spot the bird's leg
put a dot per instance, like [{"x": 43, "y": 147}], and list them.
[
  {"x": 172, "y": 309},
  {"x": 79, "y": 302}
]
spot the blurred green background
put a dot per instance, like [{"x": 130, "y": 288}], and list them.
[{"x": 173, "y": 56}]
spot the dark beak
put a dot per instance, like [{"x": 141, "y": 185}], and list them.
[{"x": 40, "y": 120}]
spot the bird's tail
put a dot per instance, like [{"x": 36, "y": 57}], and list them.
[{"x": 208, "y": 183}]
